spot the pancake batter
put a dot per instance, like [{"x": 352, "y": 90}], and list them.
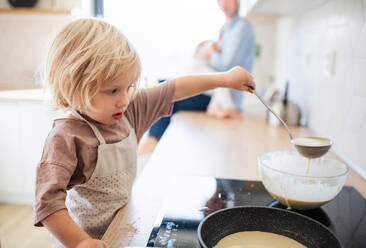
[{"x": 256, "y": 239}]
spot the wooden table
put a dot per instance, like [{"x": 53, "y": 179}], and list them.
[{"x": 197, "y": 145}]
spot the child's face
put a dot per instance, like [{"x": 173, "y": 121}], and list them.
[{"x": 111, "y": 101}]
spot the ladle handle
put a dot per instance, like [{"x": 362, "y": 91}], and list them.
[{"x": 270, "y": 109}]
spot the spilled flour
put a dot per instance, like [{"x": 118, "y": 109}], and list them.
[{"x": 129, "y": 230}]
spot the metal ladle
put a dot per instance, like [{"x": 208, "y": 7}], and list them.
[{"x": 309, "y": 147}]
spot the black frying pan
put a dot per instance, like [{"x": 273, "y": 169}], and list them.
[{"x": 227, "y": 221}]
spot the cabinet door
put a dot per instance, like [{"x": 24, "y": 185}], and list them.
[
  {"x": 34, "y": 127},
  {"x": 23, "y": 130},
  {"x": 10, "y": 153}
]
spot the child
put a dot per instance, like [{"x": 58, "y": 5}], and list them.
[{"x": 89, "y": 159}]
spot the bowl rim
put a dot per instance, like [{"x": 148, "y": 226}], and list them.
[
  {"x": 313, "y": 137},
  {"x": 261, "y": 163},
  {"x": 261, "y": 207}
]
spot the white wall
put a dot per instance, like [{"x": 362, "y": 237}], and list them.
[
  {"x": 334, "y": 102},
  {"x": 23, "y": 47},
  {"x": 25, "y": 39},
  {"x": 165, "y": 33},
  {"x": 265, "y": 30}
]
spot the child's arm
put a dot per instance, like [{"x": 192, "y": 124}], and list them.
[
  {"x": 68, "y": 232},
  {"x": 236, "y": 78}
]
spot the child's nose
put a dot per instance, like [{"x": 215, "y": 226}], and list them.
[{"x": 123, "y": 101}]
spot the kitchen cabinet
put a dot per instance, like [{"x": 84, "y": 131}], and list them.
[{"x": 25, "y": 123}]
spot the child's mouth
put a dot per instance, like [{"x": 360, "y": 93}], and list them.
[{"x": 117, "y": 116}]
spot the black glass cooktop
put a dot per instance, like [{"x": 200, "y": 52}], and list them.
[{"x": 193, "y": 198}]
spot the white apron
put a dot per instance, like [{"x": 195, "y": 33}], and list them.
[{"x": 93, "y": 205}]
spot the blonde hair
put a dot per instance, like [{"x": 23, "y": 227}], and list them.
[{"x": 84, "y": 55}]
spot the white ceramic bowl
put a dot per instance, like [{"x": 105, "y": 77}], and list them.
[{"x": 284, "y": 176}]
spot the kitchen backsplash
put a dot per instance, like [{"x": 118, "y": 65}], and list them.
[{"x": 322, "y": 52}]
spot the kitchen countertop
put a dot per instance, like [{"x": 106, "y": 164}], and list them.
[
  {"x": 37, "y": 94},
  {"x": 196, "y": 145}
]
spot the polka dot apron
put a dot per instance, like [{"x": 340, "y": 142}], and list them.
[{"x": 93, "y": 205}]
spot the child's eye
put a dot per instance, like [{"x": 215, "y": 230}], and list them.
[
  {"x": 112, "y": 91},
  {"x": 130, "y": 87}
]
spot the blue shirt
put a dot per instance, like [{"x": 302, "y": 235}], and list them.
[{"x": 238, "y": 48}]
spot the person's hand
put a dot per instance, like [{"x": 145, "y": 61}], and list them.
[
  {"x": 211, "y": 49},
  {"x": 91, "y": 243},
  {"x": 202, "y": 44},
  {"x": 201, "y": 49},
  {"x": 206, "y": 48},
  {"x": 239, "y": 79},
  {"x": 224, "y": 114}
]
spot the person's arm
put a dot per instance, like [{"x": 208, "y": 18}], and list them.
[
  {"x": 68, "y": 232},
  {"x": 53, "y": 175},
  {"x": 236, "y": 78}
]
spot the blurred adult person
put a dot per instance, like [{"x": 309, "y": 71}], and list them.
[{"x": 234, "y": 47}]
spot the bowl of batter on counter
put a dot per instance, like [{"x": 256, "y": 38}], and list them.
[
  {"x": 301, "y": 183},
  {"x": 256, "y": 226}
]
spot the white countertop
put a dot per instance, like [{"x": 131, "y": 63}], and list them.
[{"x": 23, "y": 95}]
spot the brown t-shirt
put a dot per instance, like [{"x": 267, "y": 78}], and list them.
[{"x": 70, "y": 151}]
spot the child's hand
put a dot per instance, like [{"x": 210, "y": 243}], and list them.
[
  {"x": 91, "y": 243},
  {"x": 239, "y": 79}
]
